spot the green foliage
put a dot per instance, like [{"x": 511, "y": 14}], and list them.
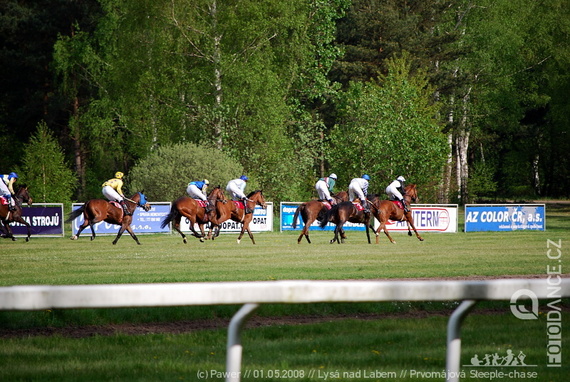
[
  {"x": 164, "y": 174},
  {"x": 44, "y": 169},
  {"x": 389, "y": 129}
]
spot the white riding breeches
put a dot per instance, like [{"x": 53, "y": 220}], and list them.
[{"x": 111, "y": 194}]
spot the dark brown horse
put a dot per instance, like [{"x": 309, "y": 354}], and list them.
[
  {"x": 342, "y": 213},
  {"x": 233, "y": 211},
  {"x": 98, "y": 210},
  {"x": 196, "y": 214},
  {"x": 7, "y": 216},
  {"x": 386, "y": 210},
  {"x": 314, "y": 210}
]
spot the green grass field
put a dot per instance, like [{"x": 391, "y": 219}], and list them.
[{"x": 403, "y": 338}]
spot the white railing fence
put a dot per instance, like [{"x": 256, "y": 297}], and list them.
[{"x": 252, "y": 294}]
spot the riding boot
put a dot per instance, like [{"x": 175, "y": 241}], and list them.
[
  {"x": 247, "y": 210},
  {"x": 12, "y": 207},
  {"x": 125, "y": 209},
  {"x": 364, "y": 205},
  {"x": 209, "y": 207},
  {"x": 406, "y": 209}
]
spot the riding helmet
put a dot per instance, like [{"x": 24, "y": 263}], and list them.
[
  {"x": 243, "y": 177},
  {"x": 12, "y": 175},
  {"x": 333, "y": 176},
  {"x": 206, "y": 181},
  {"x": 366, "y": 176},
  {"x": 401, "y": 178},
  {"x": 119, "y": 175}
]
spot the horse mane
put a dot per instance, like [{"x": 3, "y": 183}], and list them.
[{"x": 253, "y": 192}]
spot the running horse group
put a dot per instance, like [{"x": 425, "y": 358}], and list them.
[
  {"x": 345, "y": 211},
  {"x": 223, "y": 210}
]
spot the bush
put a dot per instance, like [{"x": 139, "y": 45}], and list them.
[{"x": 164, "y": 174}]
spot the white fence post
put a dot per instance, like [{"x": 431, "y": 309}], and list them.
[
  {"x": 234, "y": 349},
  {"x": 453, "y": 354}
]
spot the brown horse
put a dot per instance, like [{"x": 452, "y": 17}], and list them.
[
  {"x": 386, "y": 210},
  {"x": 340, "y": 214},
  {"x": 7, "y": 216},
  {"x": 314, "y": 210},
  {"x": 235, "y": 212},
  {"x": 194, "y": 212},
  {"x": 97, "y": 210}
]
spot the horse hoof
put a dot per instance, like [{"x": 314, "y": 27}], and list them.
[
  {"x": 238, "y": 241},
  {"x": 74, "y": 237},
  {"x": 201, "y": 240},
  {"x": 27, "y": 239},
  {"x": 421, "y": 239},
  {"x": 184, "y": 240}
]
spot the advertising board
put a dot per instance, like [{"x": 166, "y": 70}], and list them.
[
  {"x": 45, "y": 219},
  {"x": 143, "y": 221},
  {"x": 504, "y": 217}
]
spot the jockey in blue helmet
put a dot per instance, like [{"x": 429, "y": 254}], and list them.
[{"x": 7, "y": 188}]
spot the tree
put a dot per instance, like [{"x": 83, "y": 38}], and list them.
[
  {"x": 165, "y": 173},
  {"x": 389, "y": 128},
  {"x": 45, "y": 171}
]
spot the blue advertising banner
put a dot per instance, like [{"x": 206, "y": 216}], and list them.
[
  {"x": 504, "y": 217},
  {"x": 288, "y": 210},
  {"x": 143, "y": 221},
  {"x": 45, "y": 219}
]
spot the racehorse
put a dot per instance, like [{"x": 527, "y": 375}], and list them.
[
  {"x": 236, "y": 212},
  {"x": 314, "y": 210},
  {"x": 340, "y": 214},
  {"x": 7, "y": 216},
  {"x": 194, "y": 212},
  {"x": 97, "y": 210},
  {"x": 386, "y": 210}
]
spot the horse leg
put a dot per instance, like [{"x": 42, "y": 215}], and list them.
[
  {"x": 388, "y": 234},
  {"x": 20, "y": 220},
  {"x": 131, "y": 232},
  {"x": 81, "y": 228},
  {"x": 410, "y": 221},
  {"x": 367, "y": 233},
  {"x": 305, "y": 231},
  {"x": 9, "y": 234},
  {"x": 250, "y": 235}
]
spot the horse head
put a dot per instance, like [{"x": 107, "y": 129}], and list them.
[
  {"x": 257, "y": 197},
  {"x": 217, "y": 195},
  {"x": 412, "y": 193},
  {"x": 23, "y": 195},
  {"x": 142, "y": 202}
]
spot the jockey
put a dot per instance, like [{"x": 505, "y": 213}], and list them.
[
  {"x": 396, "y": 191},
  {"x": 358, "y": 188},
  {"x": 236, "y": 188},
  {"x": 7, "y": 188},
  {"x": 112, "y": 191},
  {"x": 324, "y": 187},
  {"x": 197, "y": 190}
]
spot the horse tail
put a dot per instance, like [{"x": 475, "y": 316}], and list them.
[
  {"x": 170, "y": 217},
  {"x": 297, "y": 211},
  {"x": 76, "y": 213},
  {"x": 329, "y": 214}
]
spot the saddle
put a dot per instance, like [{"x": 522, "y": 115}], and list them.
[
  {"x": 239, "y": 204},
  {"x": 201, "y": 203},
  {"x": 398, "y": 204},
  {"x": 327, "y": 204},
  {"x": 118, "y": 205},
  {"x": 358, "y": 206},
  {"x": 3, "y": 201}
]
